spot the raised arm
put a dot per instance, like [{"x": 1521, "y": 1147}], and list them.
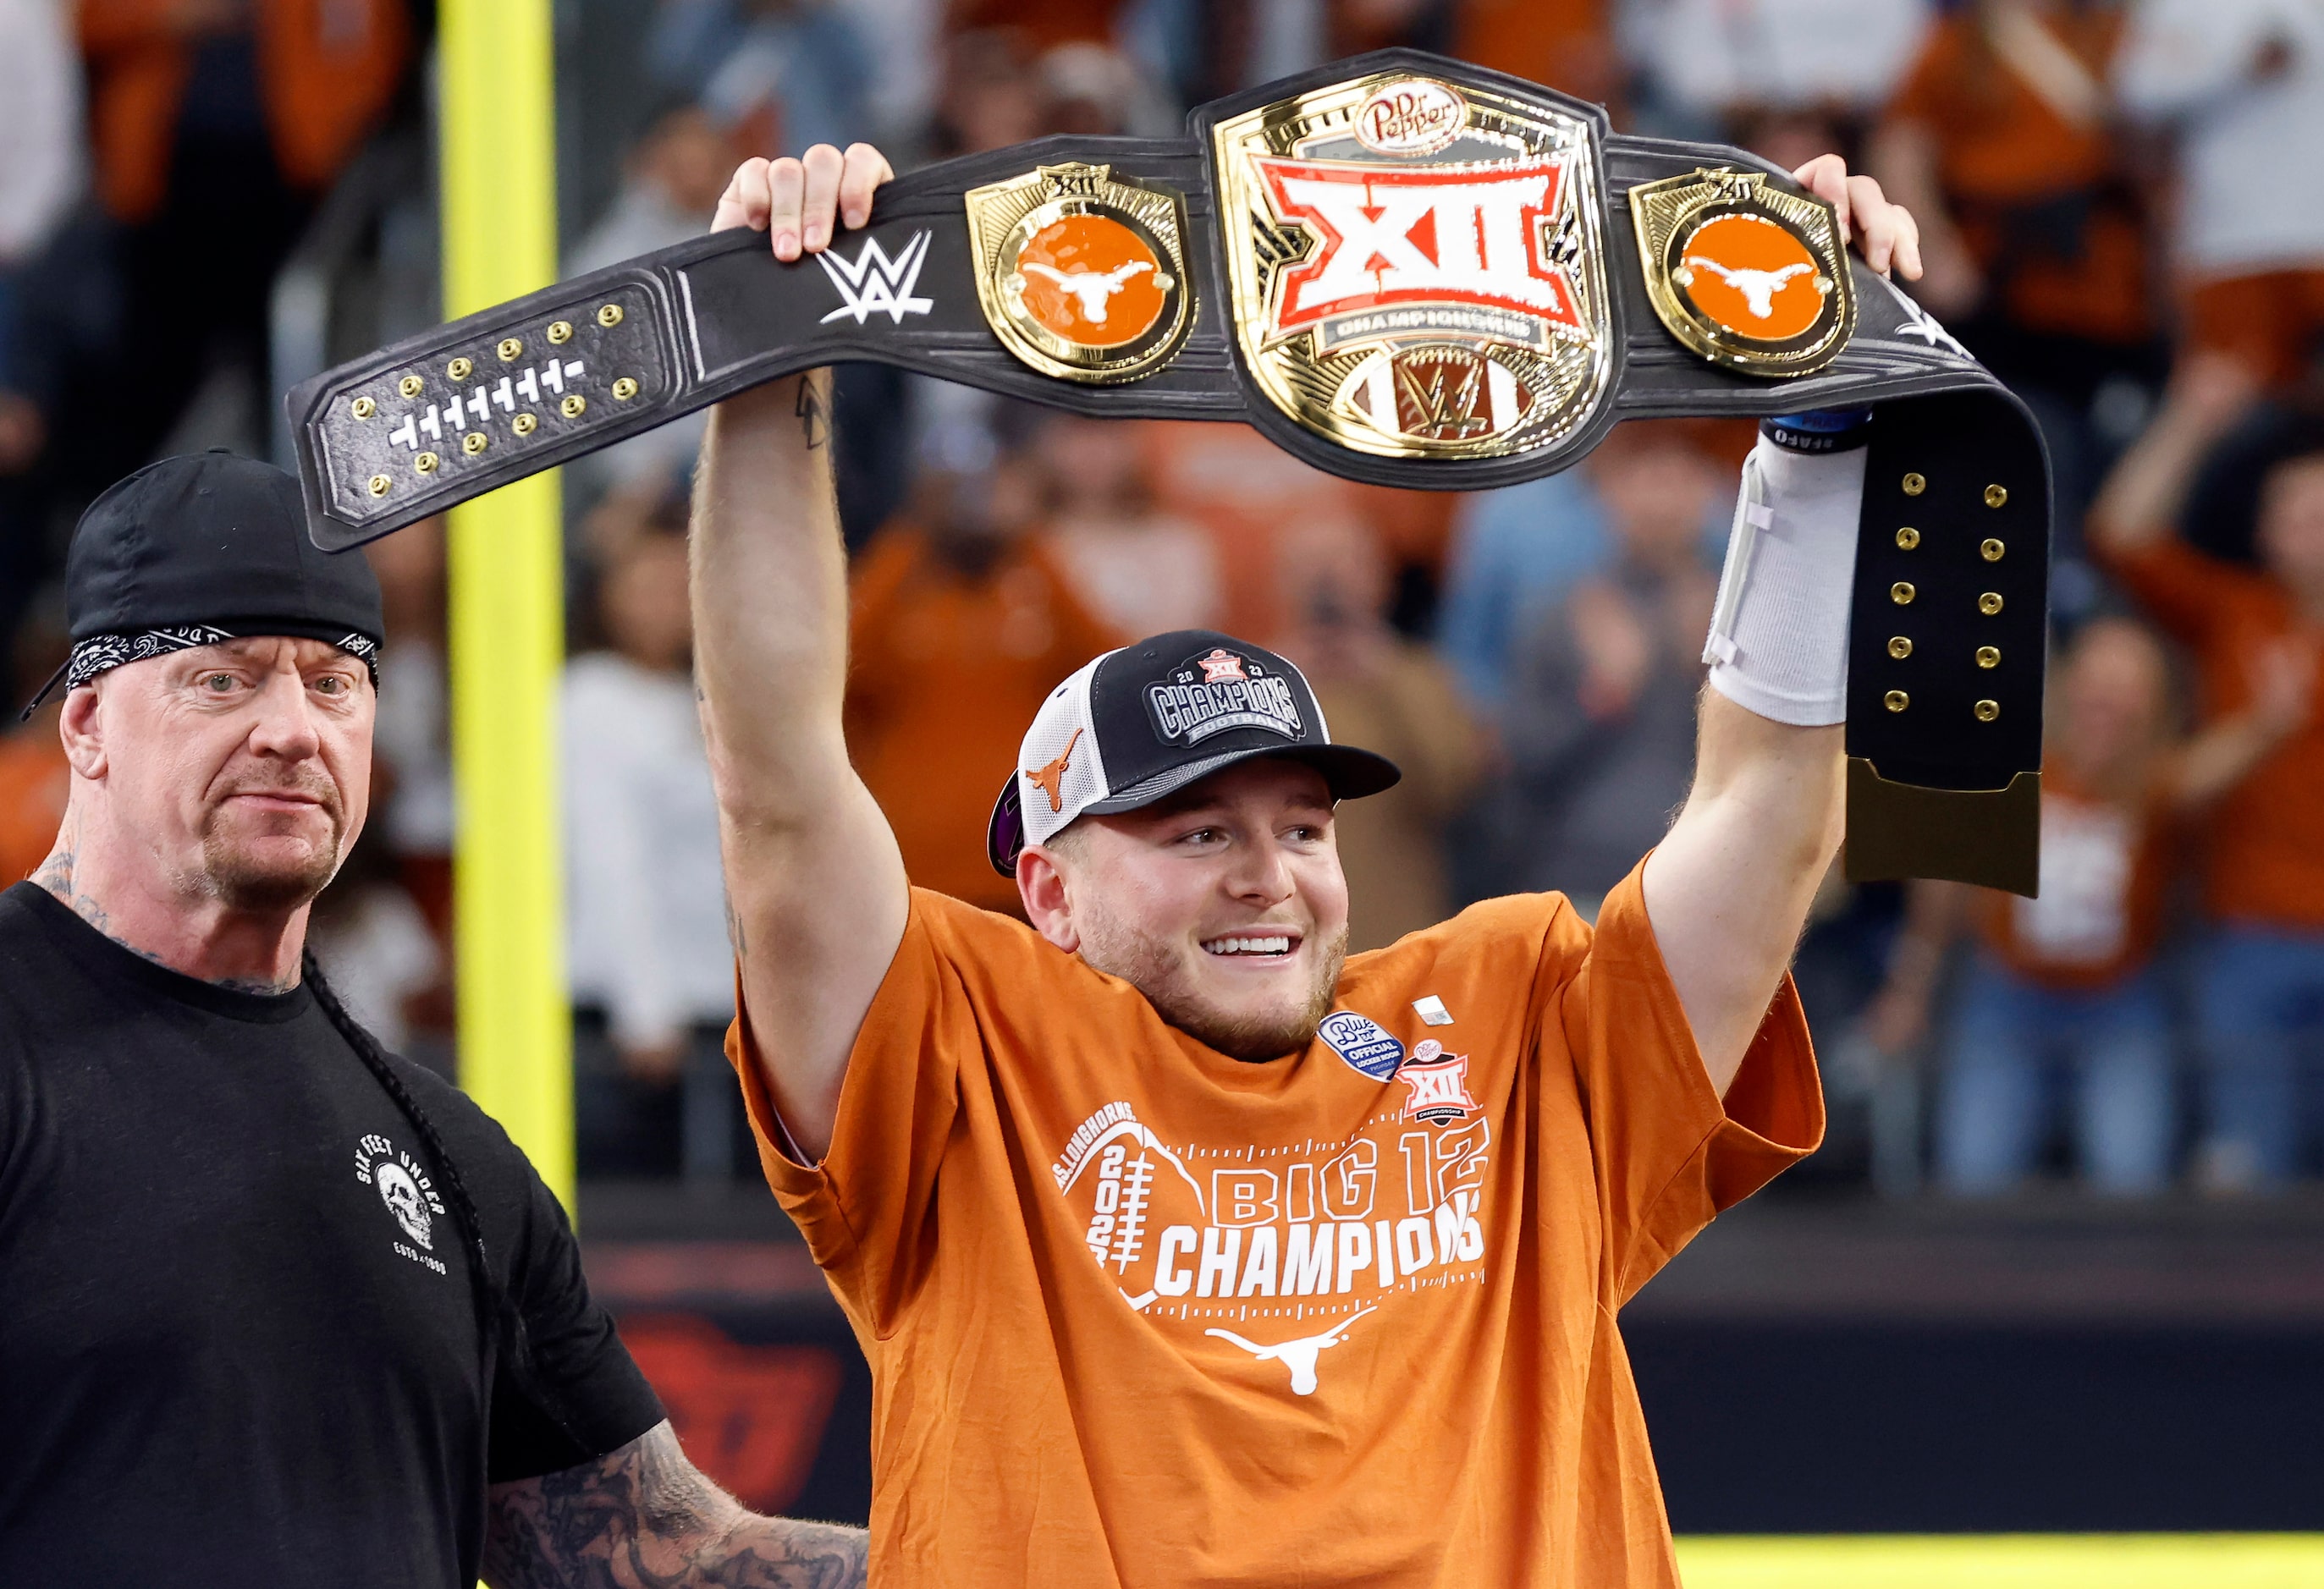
[
  {"x": 815, "y": 883},
  {"x": 2224, "y": 753},
  {"x": 645, "y": 1518},
  {"x": 2141, "y": 500},
  {"x": 1729, "y": 888}
]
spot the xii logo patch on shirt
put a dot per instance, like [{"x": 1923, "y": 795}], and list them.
[{"x": 1439, "y": 1083}]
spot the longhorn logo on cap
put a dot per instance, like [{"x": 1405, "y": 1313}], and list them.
[{"x": 1051, "y": 777}]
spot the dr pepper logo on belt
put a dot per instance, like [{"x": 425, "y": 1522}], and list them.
[
  {"x": 1417, "y": 268},
  {"x": 1747, "y": 275},
  {"x": 1082, "y": 274}
]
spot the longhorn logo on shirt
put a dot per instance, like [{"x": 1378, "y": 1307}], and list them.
[
  {"x": 1416, "y": 267},
  {"x": 1298, "y": 1356}
]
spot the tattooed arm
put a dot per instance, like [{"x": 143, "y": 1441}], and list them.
[
  {"x": 645, "y": 1518},
  {"x": 813, "y": 873}
]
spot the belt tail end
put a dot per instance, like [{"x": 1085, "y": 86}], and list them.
[{"x": 1989, "y": 837}]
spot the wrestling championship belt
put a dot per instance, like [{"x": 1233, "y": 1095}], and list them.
[{"x": 1402, "y": 269}]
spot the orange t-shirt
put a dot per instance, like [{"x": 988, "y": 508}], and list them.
[
  {"x": 1140, "y": 1314},
  {"x": 2106, "y": 866},
  {"x": 945, "y": 672},
  {"x": 2264, "y": 853}
]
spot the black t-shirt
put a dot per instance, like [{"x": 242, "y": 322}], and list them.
[{"x": 238, "y": 1333}]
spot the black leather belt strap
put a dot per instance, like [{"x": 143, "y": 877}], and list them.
[{"x": 1404, "y": 270}]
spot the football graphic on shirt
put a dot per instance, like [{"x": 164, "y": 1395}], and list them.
[
  {"x": 1270, "y": 1247},
  {"x": 1130, "y": 1187}
]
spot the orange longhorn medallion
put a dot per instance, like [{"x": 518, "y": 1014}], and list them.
[
  {"x": 1744, "y": 272},
  {"x": 1082, "y": 274}
]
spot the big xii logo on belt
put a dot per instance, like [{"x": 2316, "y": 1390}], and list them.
[
  {"x": 1402, "y": 269},
  {"x": 1417, "y": 272}
]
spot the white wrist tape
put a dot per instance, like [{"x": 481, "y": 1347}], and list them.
[{"x": 1778, "y": 643}]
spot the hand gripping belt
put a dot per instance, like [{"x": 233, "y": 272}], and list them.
[{"x": 1215, "y": 252}]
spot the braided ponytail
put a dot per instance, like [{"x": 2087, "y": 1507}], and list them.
[{"x": 497, "y": 1314}]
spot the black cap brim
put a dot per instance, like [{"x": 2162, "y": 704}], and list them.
[
  {"x": 43, "y": 693},
  {"x": 1349, "y": 773}
]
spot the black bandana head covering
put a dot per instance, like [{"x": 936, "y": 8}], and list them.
[{"x": 191, "y": 551}]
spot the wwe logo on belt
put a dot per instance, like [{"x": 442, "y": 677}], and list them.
[
  {"x": 875, "y": 284},
  {"x": 1421, "y": 237}
]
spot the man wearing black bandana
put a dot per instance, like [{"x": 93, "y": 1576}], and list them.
[{"x": 281, "y": 1309}]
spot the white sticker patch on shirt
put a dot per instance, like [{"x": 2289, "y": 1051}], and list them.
[{"x": 1431, "y": 1010}]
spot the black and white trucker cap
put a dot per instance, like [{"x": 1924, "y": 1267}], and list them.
[{"x": 1148, "y": 720}]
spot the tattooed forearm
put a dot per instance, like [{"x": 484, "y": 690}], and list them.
[{"x": 644, "y": 1518}]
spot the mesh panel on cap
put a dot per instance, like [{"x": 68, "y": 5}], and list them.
[{"x": 1062, "y": 733}]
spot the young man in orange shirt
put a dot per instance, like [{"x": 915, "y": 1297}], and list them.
[
  {"x": 1184, "y": 1251},
  {"x": 2255, "y": 635}
]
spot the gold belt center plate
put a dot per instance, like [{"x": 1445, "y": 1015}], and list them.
[{"x": 1419, "y": 268}]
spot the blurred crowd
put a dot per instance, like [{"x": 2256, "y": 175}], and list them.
[{"x": 2122, "y": 209}]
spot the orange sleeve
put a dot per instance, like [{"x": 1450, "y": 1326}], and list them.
[
  {"x": 2180, "y": 589},
  {"x": 865, "y": 1209},
  {"x": 1669, "y": 1153}
]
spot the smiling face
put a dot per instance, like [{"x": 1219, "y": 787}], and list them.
[
  {"x": 1224, "y": 904},
  {"x": 241, "y": 769}
]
